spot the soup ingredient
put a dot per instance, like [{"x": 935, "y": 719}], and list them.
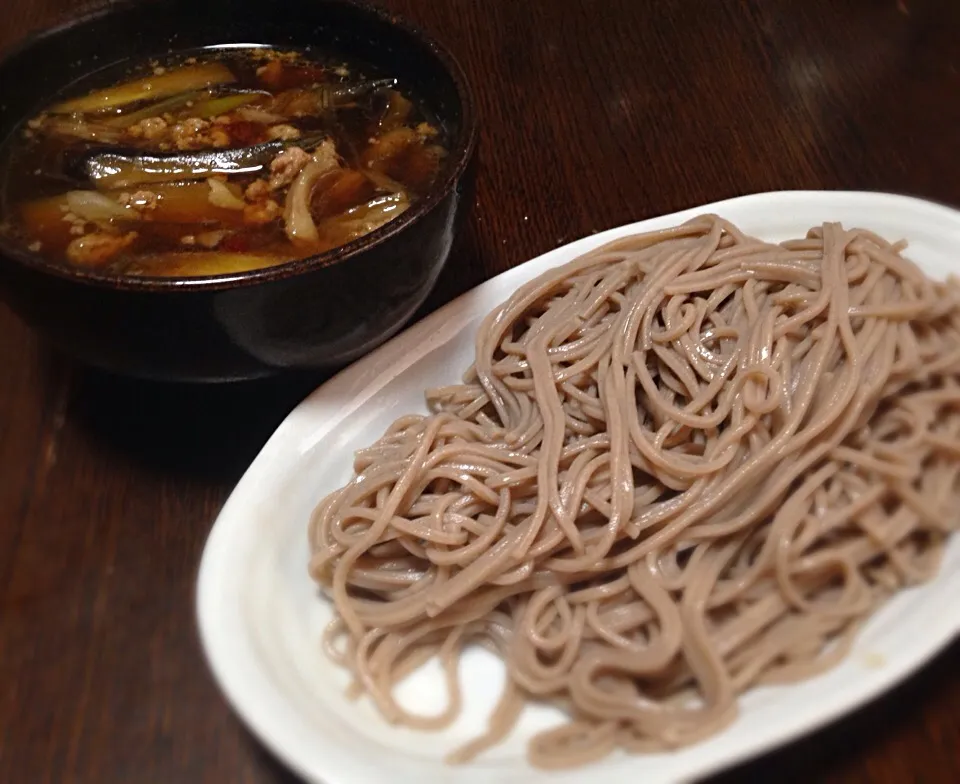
[
  {"x": 398, "y": 111},
  {"x": 267, "y": 154},
  {"x": 96, "y": 249},
  {"x": 157, "y": 109},
  {"x": 93, "y": 206},
  {"x": 682, "y": 465},
  {"x": 346, "y": 188},
  {"x": 405, "y": 153},
  {"x": 180, "y": 80},
  {"x": 222, "y": 196},
  {"x": 278, "y": 76},
  {"x": 364, "y": 218},
  {"x": 223, "y": 104},
  {"x": 186, "y": 203},
  {"x": 297, "y": 216},
  {"x": 126, "y": 170},
  {"x": 306, "y": 103},
  {"x": 79, "y": 128}
]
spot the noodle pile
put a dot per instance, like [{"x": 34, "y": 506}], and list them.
[{"x": 682, "y": 465}]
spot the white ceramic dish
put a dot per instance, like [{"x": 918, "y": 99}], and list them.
[{"x": 261, "y": 618}]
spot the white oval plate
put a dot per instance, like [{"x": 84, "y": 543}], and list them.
[{"x": 261, "y": 618}]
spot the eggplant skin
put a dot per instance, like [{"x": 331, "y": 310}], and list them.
[{"x": 126, "y": 168}]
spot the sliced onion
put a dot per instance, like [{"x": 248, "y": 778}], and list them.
[
  {"x": 210, "y": 239},
  {"x": 368, "y": 217},
  {"x": 95, "y": 207},
  {"x": 298, "y": 220},
  {"x": 383, "y": 182},
  {"x": 222, "y": 196},
  {"x": 77, "y": 128}
]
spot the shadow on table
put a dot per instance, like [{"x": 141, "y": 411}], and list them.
[
  {"x": 210, "y": 432},
  {"x": 213, "y": 431},
  {"x": 271, "y": 768}
]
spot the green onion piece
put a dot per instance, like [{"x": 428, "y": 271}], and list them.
[{"x": 180, "y": 80}]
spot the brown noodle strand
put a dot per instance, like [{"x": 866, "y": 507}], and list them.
[{"x": 682, "y": 465}]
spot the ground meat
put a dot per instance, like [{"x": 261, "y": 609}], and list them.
[
  {"x": 426, "y": 131},
  {"x": 187, "y": 132},
  {"x": 260, "y": 213},
  {"x": 195, "y": 134},
  {"x": 283, "y": 133},
  {"x": 258, "y": 190},
  {"x": 78, "y": 226},
  {"x": 150, "y": 129},
  {"x": 326, "y": 155},
  {"x": 95, "y": 250},
  {"x": 219, "y": 137},
  {"x": 286, "y": 166},
  {"x": 141, "y": 200}
]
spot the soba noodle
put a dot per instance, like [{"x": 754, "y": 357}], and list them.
[{"x": 682, "y": 465}]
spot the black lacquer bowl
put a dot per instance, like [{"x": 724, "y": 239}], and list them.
[{"x": 317, "y": 313}]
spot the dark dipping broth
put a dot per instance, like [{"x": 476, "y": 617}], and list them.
[{"x": 217, "y": 161}]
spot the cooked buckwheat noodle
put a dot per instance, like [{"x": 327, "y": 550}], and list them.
[{"x": 682, "y": 465}]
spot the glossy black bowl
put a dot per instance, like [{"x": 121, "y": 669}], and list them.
[{"x": 316, "y": 313}]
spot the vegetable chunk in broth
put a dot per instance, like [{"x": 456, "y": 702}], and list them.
[{"x": 217, "y": 161}]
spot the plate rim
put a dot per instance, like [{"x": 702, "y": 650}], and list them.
[{"x": 215, "y": 635}]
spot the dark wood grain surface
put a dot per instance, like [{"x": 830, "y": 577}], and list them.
[{"x": 595, "y": 113}]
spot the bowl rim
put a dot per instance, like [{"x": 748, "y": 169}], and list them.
[{"x": 460, "y": 157}]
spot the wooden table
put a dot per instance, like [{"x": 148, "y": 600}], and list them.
[{"x": 594, "y": 114}]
